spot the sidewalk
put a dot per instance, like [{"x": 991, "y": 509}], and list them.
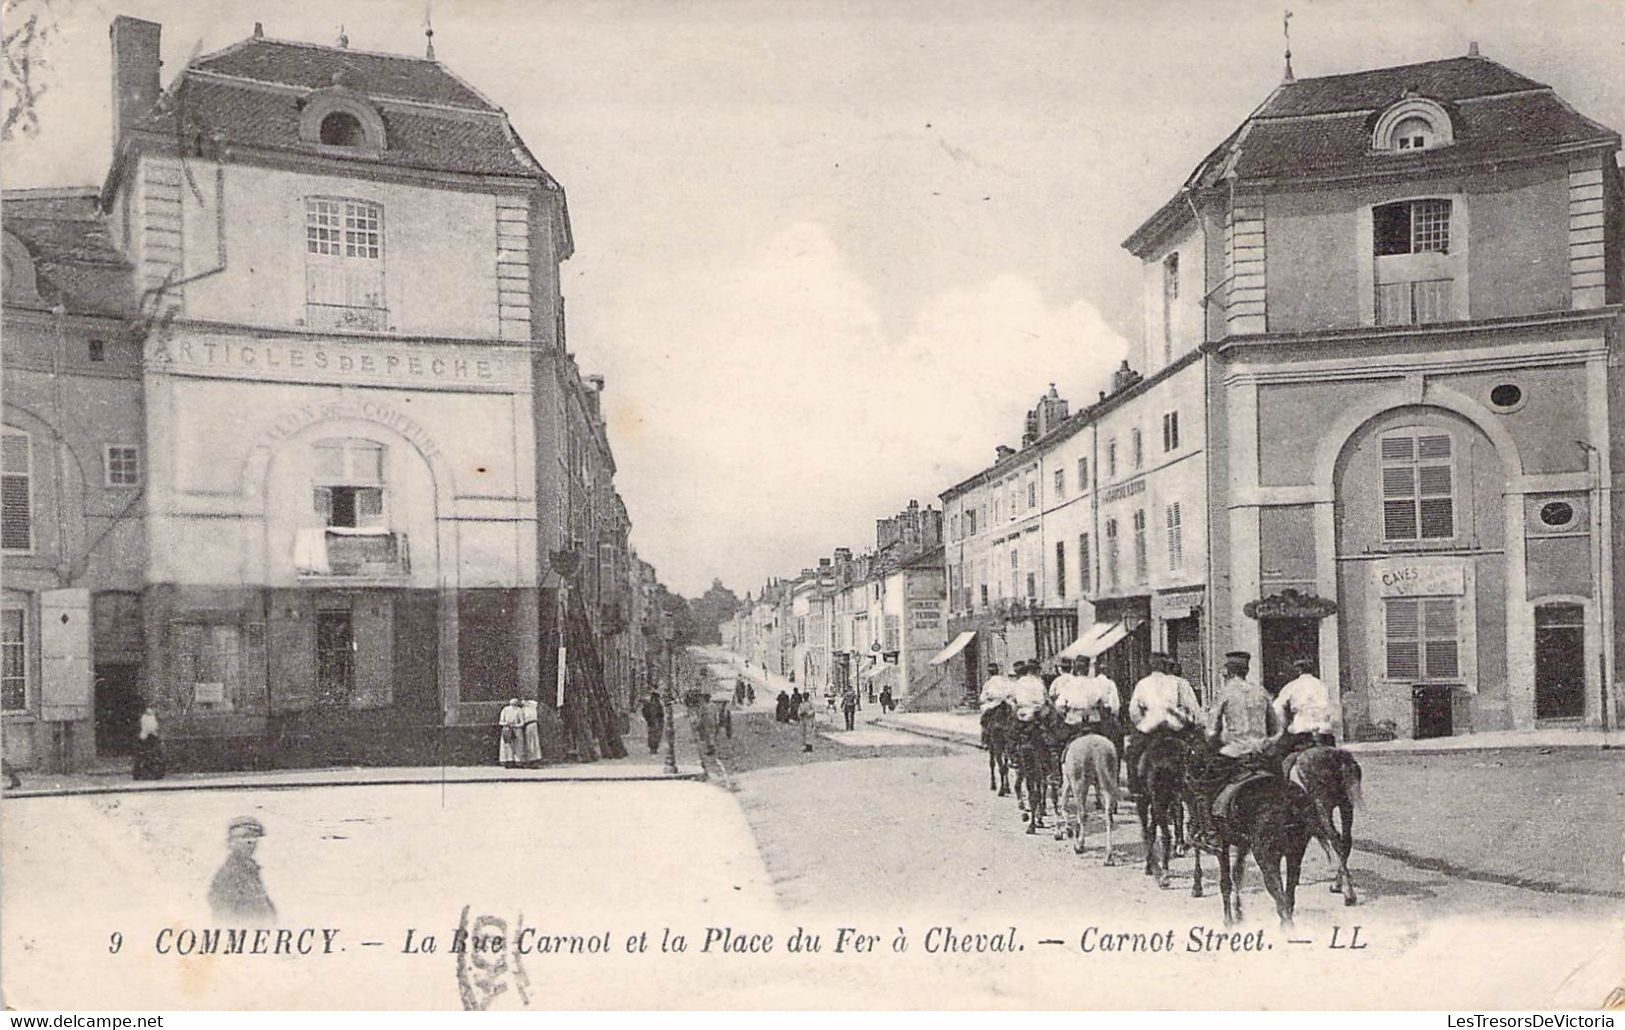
[
  {"x": 965, "y": 728},
  {"x": 639, "y": 765}
]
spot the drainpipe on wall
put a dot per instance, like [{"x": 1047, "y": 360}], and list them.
[{"x": 1600, "y": 498}]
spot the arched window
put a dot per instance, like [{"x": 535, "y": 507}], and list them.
[
  {"x": 1414, "y": 123},
  {"x": 343, "y": 129}
]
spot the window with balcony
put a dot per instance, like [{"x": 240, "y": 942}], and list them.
[
  {"x": 1415, "y": 279},
  {"x": 1418, "y": 486},
  {"x": 349, "y": 496},
  {"x": 344, "y": 264}
]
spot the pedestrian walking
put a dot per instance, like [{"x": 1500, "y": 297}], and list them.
[
  {"x": 886, "y": 703},
  {"x": 511, "y": 720},
  {"x": 237, "y": 893},
  {"x": 807, "y": 715},
  {"x": 750, "y": 694},
  {"x": 796, "y": 697},
  {"x": 533, "y": 734},
  {"x": 849, "y": 707},
  {"x": 12, "y": 782},
  {"x": 654, "y": 720},
  {"x": 149, "y": 749},
  {"x": 781, "y": 707}
]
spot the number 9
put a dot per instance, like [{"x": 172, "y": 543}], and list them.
[{"x": 115, "y": 942}]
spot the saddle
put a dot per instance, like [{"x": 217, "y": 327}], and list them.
[{"x": 1227, "y": 796}]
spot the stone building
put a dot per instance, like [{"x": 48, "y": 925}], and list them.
[
  {"x": 73, "y": 526},
  {"x": 375, "y": 494},
  {"x": 1411, "y": 281}
]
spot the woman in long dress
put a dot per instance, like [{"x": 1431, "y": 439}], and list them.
[
  {"x": 512, "y": 722},
  {"x": 149, "y": 749}
]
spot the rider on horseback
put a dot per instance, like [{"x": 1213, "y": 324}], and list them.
[
  {"x": 1027, "y": 694},
  {"x": 1303, "y": 711},
  {"x": 996, "y": 689},
  {"x": 1161, "y": 703},
  {"x": 1243, "y": 724},
  {"x": 1085, "y": 703}
]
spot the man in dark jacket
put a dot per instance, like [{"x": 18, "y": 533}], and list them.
[
  {"x": 781, "y": 707},
  {"x": 654, "y": 720},
  {"x": 237, "y": 894}
]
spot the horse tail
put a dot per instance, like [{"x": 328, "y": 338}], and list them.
[{"x": 1351, "y": 783}]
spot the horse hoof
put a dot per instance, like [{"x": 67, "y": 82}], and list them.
[
  {"x": 1110, "y": 860},
  {"x": 1348, "y": 899},
  {"x": 1196, "y": 891}
]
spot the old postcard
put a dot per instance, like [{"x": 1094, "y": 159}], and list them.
[{"x": 1028, "y": 505}]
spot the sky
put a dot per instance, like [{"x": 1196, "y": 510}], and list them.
[{"x": 829, "y": 253}]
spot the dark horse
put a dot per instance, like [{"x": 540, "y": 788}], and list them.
[
  {"x": 1331, "y": 778},
  {"x": 1267, "y": 816},
  {"x": 1036, "y": 766},
  {"x": 996, "y": 724},
  {"x": 1162, "y": 797}
]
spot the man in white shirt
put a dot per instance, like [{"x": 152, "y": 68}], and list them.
[
  {"x": 1027, "y": 694},
  {"x": 1303, "y": 710},
  {"x": 1161, "y": 702},
  {"x": 995, "y": 689},
  {"x": 1085, "y": 700}
]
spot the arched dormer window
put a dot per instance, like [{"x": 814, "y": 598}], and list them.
[
  {"x": 343, "y": 129},
  {"x": 340, "y": 118},
  {"x": 1415, "y": 123}
]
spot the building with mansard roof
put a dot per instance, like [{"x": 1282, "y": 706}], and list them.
[
  {"x": 1410, "y": 279},
  {"x": 371, "y": 494}
]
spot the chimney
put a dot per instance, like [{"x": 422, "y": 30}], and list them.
[
  {"x": 135, "y": 70},
  {"x": 1002, "y": 452}
]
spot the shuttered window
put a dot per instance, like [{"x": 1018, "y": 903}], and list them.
[
  {"x": 1423, "y": 639},
  {"x": 1176, "y": 542},
  {"x": 1418, "y": 497},
  {"x": 1140, "y": 564},
  {"x": 1083, "y": 563},
  {"x": 350, "y": 478},
  {"x": 1113, "y": 576},
  {"x": 16, "y": 492},
  {"x": 1060, "y": 569}
]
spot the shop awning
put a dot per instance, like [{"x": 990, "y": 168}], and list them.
[
  {"x": 1097, "y": 639},
  {"x": 876, "y": 672},
  {"x": 954, "y": 648}
]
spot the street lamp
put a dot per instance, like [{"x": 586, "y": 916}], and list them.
[{"x": 668, "y": 634}]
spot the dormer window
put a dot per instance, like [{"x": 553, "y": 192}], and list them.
[
  {"x": 1415, "y": 123},
  {"x": 340, "y": 118},
  {"x": 343, "y": 129}
]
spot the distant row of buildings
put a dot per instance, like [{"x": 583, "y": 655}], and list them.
[
  {"x": 1375, "y": 419},
  {"x": 295, "y": 451}
]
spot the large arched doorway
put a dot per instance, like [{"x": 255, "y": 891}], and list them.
[{"x": 1419, "y": 530}]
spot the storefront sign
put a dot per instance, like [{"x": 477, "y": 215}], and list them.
[
  {"x": 925, "y": 615},
  {"x": 1289, "y": 604},
  {"x": 1408, "y": 577},
  {"x": 322, "y": 361},
  {"x": 1177, "y": 604},
  {"x": 1117, "y": 493}
]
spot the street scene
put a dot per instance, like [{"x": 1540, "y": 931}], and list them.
[{"x": 997, "y": 528}]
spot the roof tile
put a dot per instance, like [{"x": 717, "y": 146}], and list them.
[{"x": 312, "y": 66}]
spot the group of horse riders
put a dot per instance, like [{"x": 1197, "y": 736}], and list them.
[{"x": 1254, "y": 731}]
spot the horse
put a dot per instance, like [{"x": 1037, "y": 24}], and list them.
[
  {"x": 1161, "y": 800},
  {"x": 996, "y": 722},
  {"x": 1268, "y": 816},
  {"x": 1090, "y": 759},
  {"x": 1034, "y": 748},
  {"x": 1331, "y": 778}
]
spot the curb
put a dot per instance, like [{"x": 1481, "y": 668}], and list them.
[
  {"x": 698, "y": 777},
  {"x": 947, "y": 736}
]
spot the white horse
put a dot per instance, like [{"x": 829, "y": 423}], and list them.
[{"x": 1090, "y": 759}]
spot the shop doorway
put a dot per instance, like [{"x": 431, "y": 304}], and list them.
[
  {"x": 1560, "y": 668},
  {"x": 1433, "y": 711},
  {"x": 118, "y": 708},
  {"x": 335, "y": 655},
  {"x": 1283, "y": 641},
  {"x": 1185, "y": 647}
]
